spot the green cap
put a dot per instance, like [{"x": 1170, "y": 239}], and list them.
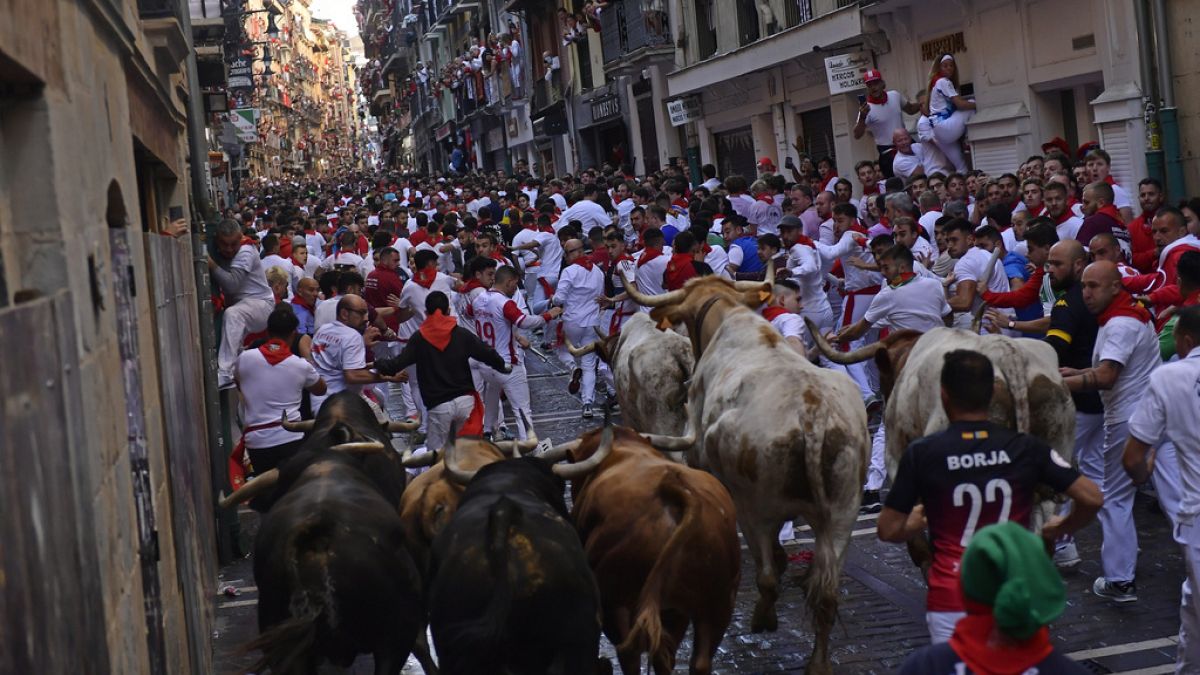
[{"x": 1006, "y": 567}]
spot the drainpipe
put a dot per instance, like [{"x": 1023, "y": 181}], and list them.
[
  {"x": 1154, "y": 152},
  {"x": 1168, "y": 115},
  {"x": 205, "y": 220}
]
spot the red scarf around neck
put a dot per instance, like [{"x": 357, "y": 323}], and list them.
[
  {"x": 649, "y": 254},
  {"x": 877, "y": 100},
  {"x": 764, "y": 197},
  {"x": 901, "y": 279},
  {"x": 471, "y": 285},
  {"x": 1111, "y": 211},
  {"x": 772, "y": 312},
  {"x": 275, "y": 351},
  {"x": 437, "y": 329},
  {"x": 298, "y": 300},
  {"x": 583, "y": 262},
  {"x": 1123, "y": 304},
  {"x": 426, "y": 277},
  {"x": 974, "y": 642},
  {"x": 1067, "y": 215}
]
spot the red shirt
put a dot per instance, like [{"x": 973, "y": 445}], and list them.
[
  {"x": 381, "y": 283},
  {"x": 1145, "y": 253}
]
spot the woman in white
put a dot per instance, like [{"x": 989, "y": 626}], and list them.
[{"x": 948, "y": 112}]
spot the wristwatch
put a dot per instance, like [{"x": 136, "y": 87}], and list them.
[{"x": 1012, "y": 324}]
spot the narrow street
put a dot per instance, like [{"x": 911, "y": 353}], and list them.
[{"x": 882, "y": 610}]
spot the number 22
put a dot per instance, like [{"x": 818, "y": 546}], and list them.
[{"x": 977, "y": 499}]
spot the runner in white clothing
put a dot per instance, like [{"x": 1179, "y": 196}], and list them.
[
  {"x": 239, "y": 273},
  {"x": 339, "y": 350},
  {"x": 579, "y": 287}
]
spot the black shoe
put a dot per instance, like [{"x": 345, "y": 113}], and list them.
[
  {"x": 576, "y": 378},
  {"x": 870, "y": 502}
]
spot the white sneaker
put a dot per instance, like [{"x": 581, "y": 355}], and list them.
[{"x": 1066, "y": 556}]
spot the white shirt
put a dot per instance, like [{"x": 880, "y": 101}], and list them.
[
  {"x": 326, "y": 312},
  {"x": 939, "y": 98},
  {"x": 342, "y": 259},
  {"x": 316, "y": 245},
  {"x": 521, "y": 238},
  {"x": 743, "y": 205},
  {"x": 848, "y": 246},
  {"x": 551, "y": 256},
  {"x": 1121, "y": 198},
  {"x": 711, "y": 184},
  {"x": 413, "y": 296},
  {"x": 1069, "y": 228},
  {"x": 792, "y": 325},
  {"x": 718, "y": 260},
  {"x": 498, "y": 318},
  {"x": 919, "y": 304},
  {"x": 1134, "y": 345},
  {"x": 923, "y": 249},
  {"x": 883, "y": 119},
  {"x": 1170, "y": 409},
  {"x": 588, "y": 213},
  {"x": 649, "y": 277},
  {"x": 254, "y": 281},
  {"x": 804, "y": 264},
  {"x": 973, "y": 266},
  {"x": 559, "y": 201},
  {"x": 337, "y": 348},
  {"x": 905, "y": 166},
  {"x": 267, "y": 389},
  {"x": 577, "y": 290}
]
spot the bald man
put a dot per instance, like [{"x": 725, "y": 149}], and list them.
[
  {"x": 579, "y": 286},
  {"x": 1105, "y": 246},
  {"x": 304, "y": 303},
  {"x": 1126, "y": 353}
]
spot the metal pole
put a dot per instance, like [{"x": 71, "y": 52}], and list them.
[
  {"x": 218, "y": 447},
  {"x": 1168, "y": 115}
]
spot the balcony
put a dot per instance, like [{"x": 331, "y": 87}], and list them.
[
  {"x": 160, "y": 21},
  {"x": 545, "y": 94},
  {"x": 627, "y": 32}
]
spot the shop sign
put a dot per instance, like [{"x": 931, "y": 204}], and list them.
[
  {"x": 605, "y": 107},
  {"x": 444, "y": 131},
  {"x": 240, "y": 74},
  {"x": 947, "y": 44},
  {"x": 684, "y": 110},
  {"x": 245, "y": 124},
  {"x": 845, "y": 71}
]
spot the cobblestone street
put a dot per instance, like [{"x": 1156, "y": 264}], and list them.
[{"x": 881, "y": 614}]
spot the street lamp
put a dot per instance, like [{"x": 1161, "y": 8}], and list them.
[{"x": 272, "y": 29}]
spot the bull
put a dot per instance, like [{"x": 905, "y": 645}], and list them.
[
  {"x": 510, "y": 590},
  {"x": 662, "y": 541},
  {"x": 651, "y": 369},
  {"x": 334, "y": 576},
  {"x": 785, "y": 437}
]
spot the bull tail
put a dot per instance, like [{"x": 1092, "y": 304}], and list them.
[
  {"x": 488, "y": 630},
  {"x": 646, "y": 635},
  {"x": 288, "y": 646}
]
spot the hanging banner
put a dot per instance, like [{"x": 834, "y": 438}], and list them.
[{"x": 245, "y": 122}]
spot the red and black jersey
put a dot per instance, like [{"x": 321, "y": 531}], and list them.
[{"x": 970, "y": 476}]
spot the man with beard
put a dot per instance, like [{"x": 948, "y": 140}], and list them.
[{"x": 1141, "y": 237}]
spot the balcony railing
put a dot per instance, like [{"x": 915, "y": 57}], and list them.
[
  {"x": 545, "y": 94},
  {"x": 157, "y": 9},
  {"x": 747, "y": 22},
  {"x": 625, "y": 28}
]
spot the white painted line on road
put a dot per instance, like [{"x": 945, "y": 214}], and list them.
[
  {"x": 237, "y": 603},
  {"x": 856, "y": 533},
  {"x": 1152, "y": 670},
  {"x": 866, "y": 516},
  {"x": 1101, "y": 652}
]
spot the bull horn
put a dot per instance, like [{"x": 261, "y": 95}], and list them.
[
  {"x": 580, "y": 351},
  {"x": 454, "y": 471},
  {"x": 770, "y": 276},
  {"x": 977, "y": 317},
  {"x": 559, "y": 452},
  {"x": 411, "y": 461},
  {"x": 397, "y": 427},
  {"x": 844, "y": 358},
  {"x": 252, "y": 489},
  {"x": 360, "y": 447},
  {"x": 303, "y": 426},
  {"x": 581, "y": 469},
  {"x": 668, "y": 444},
  {"x": 640, "y": 298}
]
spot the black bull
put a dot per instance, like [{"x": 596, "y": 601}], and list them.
[
  {"x": 335, "y": 579},
  {"x": 511, "y": 589}
]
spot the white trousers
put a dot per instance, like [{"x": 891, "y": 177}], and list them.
[
  {"x": 418, "y": 405},
  {"x": 1167, "y": 481},
  {"x": 947, "y": 136},
  {"x": 246, "y": 316},
  {"x": 1187, "y": 659},
  {"x": 941, "y": 625},
  {"x": 865, "y": 374},
  {"x": 579, "y": 336},
  {"x": 877, "y": 469},
  {"x": 445, "y": 419},
  {"x": 515, "y": 387},
  {"x": 1118, "y": 553}
]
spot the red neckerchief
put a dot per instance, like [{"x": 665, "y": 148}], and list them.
[
  {"x": 1067, "y": 215},
  {"x": 974, "y": 644},
  {"x": 285, "y": 248},
  {"x": 679, "y": 270},
  {"x": 649, "y": 254},
  {"x": 470, "y": 286},
  {"x": 248, "y": 241},
  {"x": 873, "y": 190},
  {"x": 298, "y": 300},
  {"x": 275, "y": 351},
  {"x": 901, "y": 279},
  {"x": 310, "y": 231},
  {"x": 617, "y": 200},
  {"x": 1109, "y": 179},
  {"x": 1110, "y": 211},
  {"x": 1123, "y": 304},
  {"x": 583, "y": 262},
  {"x": 426, "y": 277},
  {"x": 296, "y": 262},
  {"x": 860, "y": 228},
  {"x": 437, "y": 329},
  {"x": 772, "y": 312},
  {"x": 622, "y": 257},
  {"x": 881, "y": 100},
  {"x": 764, "y": 197},
  {"x": 805, "y": 240},
  {"x": 497, "y": 257}
]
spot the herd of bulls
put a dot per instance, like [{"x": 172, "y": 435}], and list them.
[{"x": 730, "y": 428}]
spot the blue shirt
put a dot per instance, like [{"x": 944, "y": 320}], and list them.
[
  {"x": 669, "y": 232},
  {"x": 750, "y": 261},
  {"x": 1015, "y": 267},
  {"x": 306, "y": 319}
]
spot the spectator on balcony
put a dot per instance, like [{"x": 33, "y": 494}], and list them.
[
  {"x": 948, "y": 111},
  {"x": 881, "y": 113}
]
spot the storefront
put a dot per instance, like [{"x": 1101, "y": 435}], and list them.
[
  {"x": 604, "y": 136},
  {"x": 735, "y": 153}
]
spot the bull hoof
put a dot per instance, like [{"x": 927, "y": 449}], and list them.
[{"x": 765, "y": 620}]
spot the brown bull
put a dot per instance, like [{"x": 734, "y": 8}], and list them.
[{"x": 662, "y": 541}]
